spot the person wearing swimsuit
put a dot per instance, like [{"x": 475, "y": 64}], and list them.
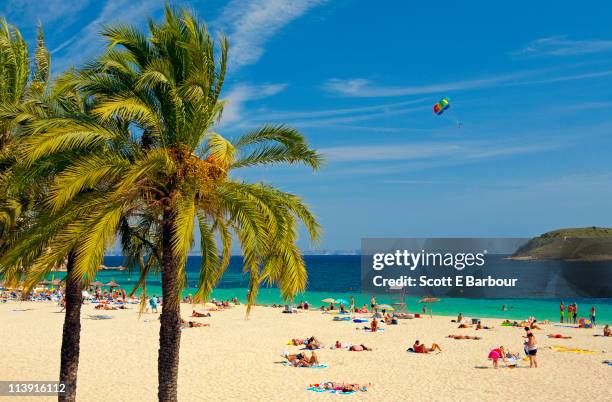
[{"x": 532, "y": 350}]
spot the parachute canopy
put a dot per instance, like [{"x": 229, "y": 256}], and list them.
[{"x": 441, "y": 106}]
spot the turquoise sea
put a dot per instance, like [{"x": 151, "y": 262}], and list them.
[{"x": 338, "y": 276}]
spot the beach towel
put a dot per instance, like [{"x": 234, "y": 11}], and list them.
[
  {"x": 100, "y": 317},
  {"x": 316, "y": 366},
  {"x": 331, "y": 391},
  {"x": 369, "y": 330},
  {"x": 573, "y": 350},
  {"x": 318, "y": 388},
  {"x": 341, "y": 318},
  {"x": 360, "y": 320},
  {"x": 411, "y": 350}
]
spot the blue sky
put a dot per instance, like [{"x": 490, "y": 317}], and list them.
[{"x": 530, "y": 83}]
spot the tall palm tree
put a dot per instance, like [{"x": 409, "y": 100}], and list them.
[
  {"x": 26, "y": 228},
  {"x": 147, "y": 148}
]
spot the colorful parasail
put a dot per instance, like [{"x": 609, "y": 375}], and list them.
[{"x": 441, "y": 106}]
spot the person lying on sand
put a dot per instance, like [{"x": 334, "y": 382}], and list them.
[
  {"x": 476, "y": 338},
  {"x": 607, "y": 331},
  {"x": 418, "y": 347},
  {"x": 359, "y": 348},
  {"x": 192, "y": 324},
  {"x": 464, "y": 326},
  {"x": 105, "y": 307},
  {"x": 310, "y": 343},
  {"x": 343, "y": 387},
  {"x": 559, "y": 336},
  {"x": 301, "y": 360},
  {"x": 197, "y": 314}
]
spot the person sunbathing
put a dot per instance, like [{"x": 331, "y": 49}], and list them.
[
  {"x": 105, "y": 307},
  {"x": 192, "y": 324},
  {"x": 359, "y": 348},
  {"x": 419, "y": 347},
  {"x": 301, "y": 360},
  {"x": 607, "y": 331},
  {"x": 310, "y": 343},
  {"x": 559, "y": 336},
  {"x": 198, "y": 314},
  {"x": 344, "y": 387},
  {"x": 464, "y": 326},
  {"x": 480, "y": 326},
  {"x": 476, "y": 338}
]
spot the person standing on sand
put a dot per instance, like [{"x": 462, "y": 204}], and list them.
[
  {"x": 575, "y": 313},
  {"x": 373, "y": 304},
  {"x": 593, "y": 316},
  {"x": 153, "y": 303},
  {"x": 532, "y": 350},
  {"x": 561, "y": 310},
  {"x": 352, "y": 308}
]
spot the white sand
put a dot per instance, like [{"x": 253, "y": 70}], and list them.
[{"x": 235, "y": 359}]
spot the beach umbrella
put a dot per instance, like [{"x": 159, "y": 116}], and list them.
[
  {"x": 112, "y": 284},
  {"x": 328, "y": 300},
  {"x": 210, "y": 305},
  {"x": 385, "y": 307},
  {"x": 341, "y": 301},
  {"x": 96, "y": 283},
  {"x": 429, "y": 300}
]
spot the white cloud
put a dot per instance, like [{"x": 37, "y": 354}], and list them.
[
  {"x": 442, "y": 151},
  {"x": 311, "y": 114},
  {"x": 360, "y": 87},
  {"x": 250, "y": 24},
  {"x": 29, "y": 11},
  {"x": 561, "y": 46},
  {"x": 88, "y": 42},
  {"x": 243, "y": 93}
]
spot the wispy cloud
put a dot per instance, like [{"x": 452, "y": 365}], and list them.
[
  {"x": 88, "y": 42},
  {"x": 561, "y": 46},
  {"x": 48, "y": 11},
  {"x": 240, "y": 94},
  {"x": 335, "y": 117},
  {"x": 337, "y": 111},
  {"x": 250, "y": 24},
  {"x": 571, "y": 77},
  {"x": 364, "y": 88},
  {"x": 442, "y": 151}
]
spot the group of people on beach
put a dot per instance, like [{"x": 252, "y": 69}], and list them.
[
  {"x": 571, "y": 312},
  {"x": 530, "y": 346}
]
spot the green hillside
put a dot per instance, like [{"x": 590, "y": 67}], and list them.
[{"x": 576, "y": 244}]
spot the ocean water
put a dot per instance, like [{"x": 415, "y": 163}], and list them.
[{"x": 339, "y": 277}]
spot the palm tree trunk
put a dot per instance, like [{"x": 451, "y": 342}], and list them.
[
  {"x": 170, "y": 328},
  {"x": 71, "y": 336}
]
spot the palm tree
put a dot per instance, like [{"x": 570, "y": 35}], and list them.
[
  {"x": 147, "y": 148},
  {"x": 26, "y": 228}
]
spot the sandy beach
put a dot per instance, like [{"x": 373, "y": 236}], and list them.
[{"x": 237, "y": 359}]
